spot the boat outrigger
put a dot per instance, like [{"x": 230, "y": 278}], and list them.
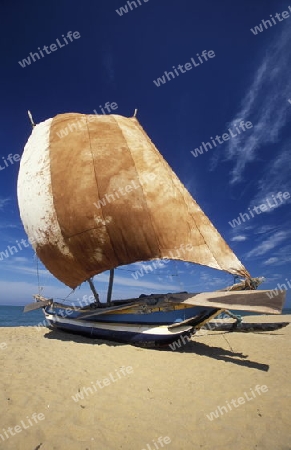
[{"x": 101, "y": 196}]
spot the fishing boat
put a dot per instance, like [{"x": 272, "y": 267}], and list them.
[{"x": 99, "y": 196}]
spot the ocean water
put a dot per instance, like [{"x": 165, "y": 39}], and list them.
[{"x": 13, "y": 316}]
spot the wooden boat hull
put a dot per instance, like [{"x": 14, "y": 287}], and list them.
[
  {"x": 147, "y": 335},
  {"x": 155, "y": 319},
  {"x": 137, "y": 332}
]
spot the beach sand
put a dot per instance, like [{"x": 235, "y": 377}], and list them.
[{"x": 148, "y": 393}]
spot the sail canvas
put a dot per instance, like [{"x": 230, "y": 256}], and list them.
[{"x": 103, "y": 196}]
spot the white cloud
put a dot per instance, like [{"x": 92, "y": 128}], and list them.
[
  {"x": 140, "y": 283},
  {"x": 274, "y": 277},
  {"x": 265, "y": 229},
  {"x": 270, "y": 261},
  {"x": 108, "y": 64},
  {"x": 239, "y": 238},
  {"x": 21, "y": 259},
  {"x": 268, "y": 244},
  {"x": 8, "y": 225},
  {"x": 3, "y": 202},
  {"x": 280, "y": 257},
  {"x": 210, "y": 280},
  {"x": 275, "y": 179},
  {"x": 265, "y": 105},
  {"x": 21, "y": 292},
  {"x": 11, "y": 265}
]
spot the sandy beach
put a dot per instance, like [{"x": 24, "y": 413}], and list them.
[{"x": 219, "y": 391}]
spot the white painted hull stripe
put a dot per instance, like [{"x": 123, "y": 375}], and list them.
[{"x": 144, "y": 329}]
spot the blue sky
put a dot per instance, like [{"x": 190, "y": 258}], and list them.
[{"x": 116, "y": 59}]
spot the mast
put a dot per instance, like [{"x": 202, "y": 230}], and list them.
[
  {"x": 96, "y": 296},
  {"x": 31, "y": 119},
  {"x": 109, "y": 292}
]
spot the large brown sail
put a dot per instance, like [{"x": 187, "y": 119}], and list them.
[{"x": 94, "y": 193}]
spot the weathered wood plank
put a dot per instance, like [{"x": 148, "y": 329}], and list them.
[
  {"x": 256, "y": 301},
  {"x": 37, "y": 305}
]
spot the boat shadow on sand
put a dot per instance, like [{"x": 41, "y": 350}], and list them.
[
  {"x": 197, "y": 348},
  {"x": 220, "y": 354}
]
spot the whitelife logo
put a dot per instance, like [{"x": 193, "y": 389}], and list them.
[
  {"x": 225, "y": 137},
  {"x": 267, "y": 23},
  {"x": 81, "y": 124},
  {"x": 23, "y": 243},
  {"x": 184, "y": 68},
  {"x": 69, "y": 310},
  {"x": 124, "y": 9},
  {"x": 3, "y": 346},
  {"x": 236, "y": 403},
  {"x": 123, "y": 371},
  {"x": 11, "y": 158},
  {"x": 53, "y": 47},
  {"x": 282, "y": 287},
  {"x": 278, "y": 200},
  {"x": 18, "y": 428},
  {"x": 108, "y": 198},
  {"x": 12, "y": 249},
  {"x": 159, "y": 443},
  {"x": 160, "y": 263}
]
